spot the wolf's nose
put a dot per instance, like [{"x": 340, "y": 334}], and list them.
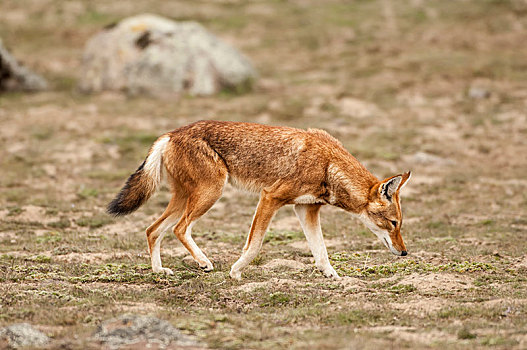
[{"x": 404, "y": 253}]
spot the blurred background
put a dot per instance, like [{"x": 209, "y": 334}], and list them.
[{"x": 436, "y": 87}]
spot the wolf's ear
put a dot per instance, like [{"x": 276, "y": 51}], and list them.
[
  {"x": 389, "y": 186},
  {"x": 406, "y": 176}
]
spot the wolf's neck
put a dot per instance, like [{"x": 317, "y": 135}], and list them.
[{"x": 350, "y": 184}]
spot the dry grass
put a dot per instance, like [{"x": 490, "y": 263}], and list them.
[{"x": 65, "y": 265}]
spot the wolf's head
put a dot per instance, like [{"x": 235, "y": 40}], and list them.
[{"x": 383, "y": 215}]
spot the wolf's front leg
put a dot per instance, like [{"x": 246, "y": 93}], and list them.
[{"x": 309, "y": 216}]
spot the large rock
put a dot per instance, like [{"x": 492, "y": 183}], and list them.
[
  {"x": 21, "y": 335},
  {"x": 14, "y": 76},
  {"x": 148, "y": 54}
]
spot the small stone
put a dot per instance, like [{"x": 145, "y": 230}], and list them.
[
  {"x": 21, "y": 335},
  {"x": 142, "y": 332},
  {"x": 478, "y": 93},
  {"x": 50, "y": 170}
]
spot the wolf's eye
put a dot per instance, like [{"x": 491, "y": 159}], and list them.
[{"x": 394, "y": 223}]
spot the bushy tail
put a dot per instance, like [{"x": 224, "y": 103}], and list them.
[{"x": 142, "y": 184}]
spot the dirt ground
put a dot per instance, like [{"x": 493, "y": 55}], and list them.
[{"x": 436, "y": 87}]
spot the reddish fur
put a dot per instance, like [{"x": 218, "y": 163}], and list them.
[{"x": 280, "y": 163}]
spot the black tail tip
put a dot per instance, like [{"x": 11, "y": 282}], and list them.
[
  {"x": 115, "y": 208},
  {"x": 112, "y": 210}
]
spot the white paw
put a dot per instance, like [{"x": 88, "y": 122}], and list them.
[
  {"x": 330, "y": 272},
  {"x": 205, "y": 264},
  {"x": 164, "y": 270},
  {"x": 208, "y": 267},
  {"x": 235, "y": 274}
]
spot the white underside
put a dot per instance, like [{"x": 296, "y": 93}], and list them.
[
  {"x": 250, "y": 186},
  {"x": 307, "y": 199}
]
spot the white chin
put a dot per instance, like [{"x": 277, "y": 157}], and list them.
[{"x": 388, "y": 245}]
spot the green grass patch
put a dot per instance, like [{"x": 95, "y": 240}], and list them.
[
  {"x": 86, "y": 192},
  {"x": 355, "y": 265},
  {"x": 358, "y": 317},
  {"x": 277, "y": 299},
  {"x": 282, "y": 237},
  {"x": 62, "y": 223},
  {"x": 15, "y": 210},
  {"x": 465, "y": 333},
  {"x": 49, "y": 237}
]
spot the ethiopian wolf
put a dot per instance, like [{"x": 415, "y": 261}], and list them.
[{"x": 306, "y": 168}]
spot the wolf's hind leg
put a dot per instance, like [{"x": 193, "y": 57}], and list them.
[
  {"x": 200, "y": 200},
  {"x": 156, "y": 232}
]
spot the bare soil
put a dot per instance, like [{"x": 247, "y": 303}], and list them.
[{"x": 437, "y": 87}]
